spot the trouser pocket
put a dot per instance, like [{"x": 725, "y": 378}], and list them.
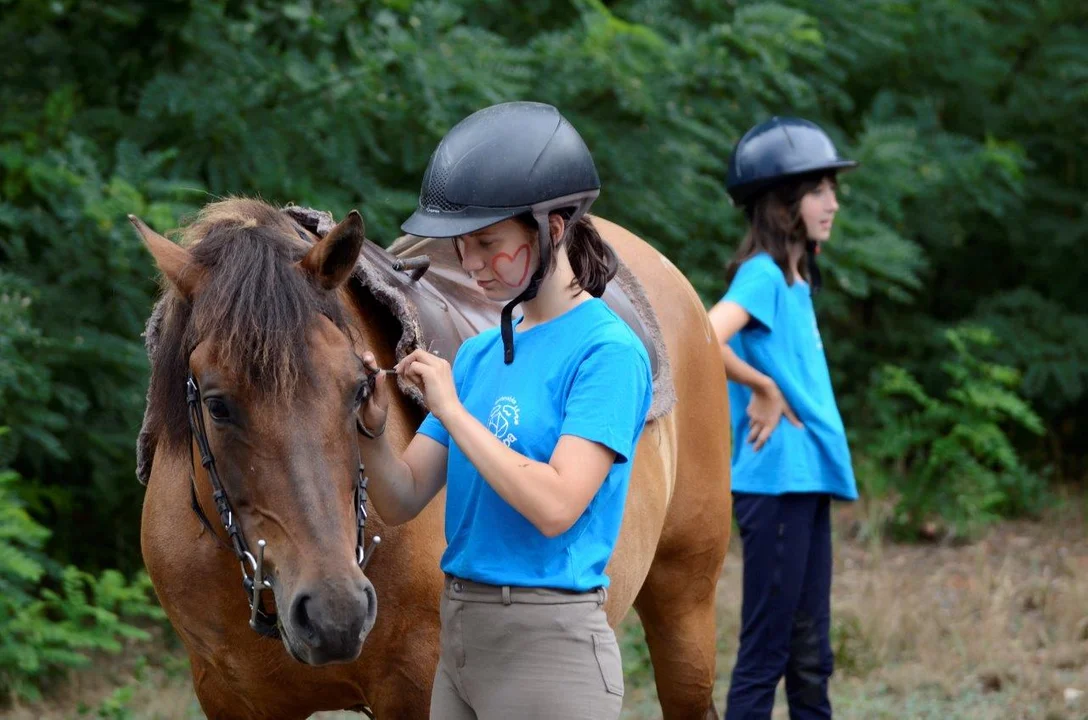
[{"x": 607, "y": 652}]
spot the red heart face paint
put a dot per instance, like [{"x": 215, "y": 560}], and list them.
[{"x": 511, "y": 270}]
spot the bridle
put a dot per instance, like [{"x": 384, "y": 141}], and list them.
[{"x": 254, "y": 581}]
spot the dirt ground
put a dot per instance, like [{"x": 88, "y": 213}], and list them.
[{"x": 997, "y": 629}]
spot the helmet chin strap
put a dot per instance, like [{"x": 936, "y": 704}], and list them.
[
  {"x": 544, "y": 241},
  {"x": 580, "y": 201},
  {"x": 815, "y": 281}
]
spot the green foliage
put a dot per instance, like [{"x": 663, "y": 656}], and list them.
[
  {"x": 1037, "y": 334},
  {"x": 75, "y": 291},
  {"x": 852, "y": 648},
  {"x": 114, "y": 707},
  {"x": 52, "y": 621},
  {"x": 142, "y": 676},
  {"x": 951, "y": 457},
  {"x": 968, "y": 117},
  {"x": 637, "y": 666}
]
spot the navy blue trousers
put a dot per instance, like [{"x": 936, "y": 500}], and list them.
[{"x": 786, "y": 610}]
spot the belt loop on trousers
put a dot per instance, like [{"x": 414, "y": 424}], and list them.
[
  {"x": 505, "y": 594},
  {"x": 602, "y": 595}
]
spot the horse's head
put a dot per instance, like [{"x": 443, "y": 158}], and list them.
[{"x": 255, "y": 320}]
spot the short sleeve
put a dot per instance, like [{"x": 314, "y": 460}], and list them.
[
  {"x": 609, "y": 398},
  {"x": 433, "y": 428},
  {"x": 755, "y": 288}
]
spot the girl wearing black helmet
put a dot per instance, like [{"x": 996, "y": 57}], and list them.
[
  {"x": 532, "y": 429},
  {"x": 784, "y": 474}
]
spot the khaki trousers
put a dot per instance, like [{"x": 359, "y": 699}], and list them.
[{"x": 526, "y": 653}]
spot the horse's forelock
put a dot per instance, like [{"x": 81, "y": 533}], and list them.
[
  {"x": 235, "y": 213},
  {"x": 254, "y": 306}
]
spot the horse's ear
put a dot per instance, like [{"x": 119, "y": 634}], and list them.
[
  {"x": 332, "y": 260},
  {"x": 172, "y": 259}
]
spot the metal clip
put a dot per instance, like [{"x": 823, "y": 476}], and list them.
[
  {"x": 369, "y": 552},
  {"x": 258, "y": 584}
]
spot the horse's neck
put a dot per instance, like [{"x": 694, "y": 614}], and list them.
[{"x": 374, "y": 328}]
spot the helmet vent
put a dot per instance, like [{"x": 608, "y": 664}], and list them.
[{"x": 434, "y": 194}]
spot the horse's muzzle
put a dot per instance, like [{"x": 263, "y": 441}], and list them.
[{"x": 328, "y": 623}]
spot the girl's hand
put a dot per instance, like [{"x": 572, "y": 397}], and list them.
[
  {"x": 434, "y": 377},
  {"x": 764, "y": 413},
  {"x": 375, "y": 408}
]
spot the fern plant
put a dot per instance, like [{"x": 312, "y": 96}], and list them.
[
  {"x": 950, "y": 457},
  {"x": 52, "y": 623}
]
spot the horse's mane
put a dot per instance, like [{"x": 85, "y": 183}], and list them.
[{"x": 252, "y": 301}]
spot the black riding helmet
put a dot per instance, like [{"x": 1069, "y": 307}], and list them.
[
  {"x": 500, "y": 162},
  {"x": 777, "y": 150}
]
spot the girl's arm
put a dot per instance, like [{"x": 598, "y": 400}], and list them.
[
  {"x": 551, "y": 495},
  {"x": 400, "y": 487},
  {"x": 728, "y": 318},
  {"x": 767, "y": 405}
]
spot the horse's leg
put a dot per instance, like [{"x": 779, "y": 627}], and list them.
[
  {"x": 680, "y": 634},
  {"x": 677, "y": 602}
]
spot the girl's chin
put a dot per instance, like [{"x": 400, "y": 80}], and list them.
[{"x": 500, "y": 293}]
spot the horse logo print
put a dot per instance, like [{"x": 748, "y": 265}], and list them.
[{"x": 504, "y": 416}]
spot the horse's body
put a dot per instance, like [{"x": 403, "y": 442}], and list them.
[{"x": 673, "y": 542}]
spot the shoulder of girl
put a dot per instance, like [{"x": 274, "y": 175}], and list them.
[
  {"x": 762, "y": 266},
  {"x": 472, "y": 346},
  {"x": 761, "y": 262},
  {"x": 624, "y": 348}
]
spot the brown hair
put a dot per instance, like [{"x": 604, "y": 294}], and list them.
[
  {"x": 254, "y": 303},
  {"x": 593, "y": 260},
  {"x": 775, "y": 223}
]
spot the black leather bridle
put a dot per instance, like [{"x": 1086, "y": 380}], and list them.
[{"x": 254, "y": 581}]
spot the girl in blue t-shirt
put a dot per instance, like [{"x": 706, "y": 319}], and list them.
[
  {"x": 532, "y": 430},
  {"x": 790, "y": 456}
]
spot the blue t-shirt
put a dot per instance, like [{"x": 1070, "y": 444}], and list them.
[
  {"x": 783, "y": 341},
  {"x": 584, "y": 373}
]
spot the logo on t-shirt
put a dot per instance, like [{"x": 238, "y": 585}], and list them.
[{"x": 505, "y": 416}]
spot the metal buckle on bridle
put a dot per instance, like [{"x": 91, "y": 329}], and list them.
[
  {"x": 257, "y": 583},
  {"x": 254, "y": 581},
  {"x": 362, "y": 553}
]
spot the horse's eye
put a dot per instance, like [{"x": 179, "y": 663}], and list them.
[
  {"x": 218, "y": 409},
  {"x": 362, "y": 393}
]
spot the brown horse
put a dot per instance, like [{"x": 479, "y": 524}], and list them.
[{"x": 267, "y": 328}]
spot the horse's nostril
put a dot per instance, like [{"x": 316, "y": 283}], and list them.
[
  {"x": 300, "y": 615},
  {"x": 330, "y": 624},
  {"x": 371, "y": 612}
]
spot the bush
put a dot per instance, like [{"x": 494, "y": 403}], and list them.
[
  {"x": 53, "y": 621},
  {"x": 951, "y": 457},
  {"x": 76, "y": 287}
]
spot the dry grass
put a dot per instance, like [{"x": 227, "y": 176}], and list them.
[{"x": 997, "y": 629}]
